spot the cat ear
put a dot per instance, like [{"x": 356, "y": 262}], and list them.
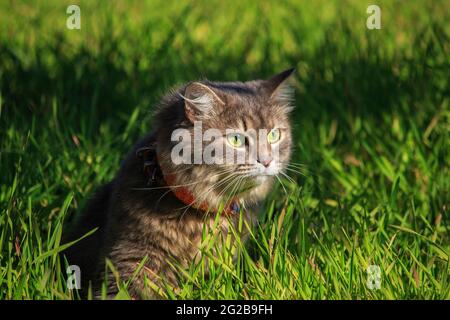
[
  {"x": 279, "y": 89},
  {"x": 200, "y": 101}
]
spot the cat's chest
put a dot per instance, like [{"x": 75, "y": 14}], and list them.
[
  {"x": 187, "y": 237},
  {"x": 159, "y": 220}
]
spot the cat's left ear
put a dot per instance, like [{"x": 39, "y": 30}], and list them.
[
  {"x": 278, "y": 88},
  {"x": 200, "y": 101}
]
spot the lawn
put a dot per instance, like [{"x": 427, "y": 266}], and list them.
[{"x": 371, "y": 130}]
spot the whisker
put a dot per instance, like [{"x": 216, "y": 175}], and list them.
[
  {"x": 216, "y": 185},
  {"x": 288, "y": 177},
  {"x": 195, "y": 202},
  {"x": 175, "y": 186},
  {"x": 296, "y": 171},
  {"x": 299, "y": 168},
  {"x": 285, "y": 191},
  {"x": 297, "y": 164}
]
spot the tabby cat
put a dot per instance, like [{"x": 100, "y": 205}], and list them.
[{"x": 156, "y": 208}]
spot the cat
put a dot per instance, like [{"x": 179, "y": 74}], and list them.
[{"x": 156, "y": 208}]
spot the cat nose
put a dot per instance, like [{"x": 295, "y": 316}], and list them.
[{"x": 265, "y": 161}]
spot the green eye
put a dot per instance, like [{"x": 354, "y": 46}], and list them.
[
  {"x": 236, "y": 139},
  {"x": 273, "y": 136}
]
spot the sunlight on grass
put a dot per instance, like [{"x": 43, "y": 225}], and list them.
[{"x": 370, "y": 184}]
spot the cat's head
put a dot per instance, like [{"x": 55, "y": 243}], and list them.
[{"x": 228, "y": 139}]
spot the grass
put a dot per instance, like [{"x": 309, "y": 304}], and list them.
[{"x": 371, "y": 125}]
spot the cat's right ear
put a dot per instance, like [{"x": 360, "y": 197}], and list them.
[
  {"x": 200, "y": 101},
  {"x": 279, "y": 89}
]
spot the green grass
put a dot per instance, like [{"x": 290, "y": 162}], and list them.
[{"x": 371, "y": 125}]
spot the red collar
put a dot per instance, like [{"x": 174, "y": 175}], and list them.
[
  {"x": 184, "y": 195},
  {"x": 153, "y": 171}
]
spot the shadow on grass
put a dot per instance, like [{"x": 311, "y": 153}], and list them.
[{"x": 336, "y": 80}]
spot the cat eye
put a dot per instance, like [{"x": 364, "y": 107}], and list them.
[
  {"x": 236, "y": 139},
  {"x": 273, "y": 136}
]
